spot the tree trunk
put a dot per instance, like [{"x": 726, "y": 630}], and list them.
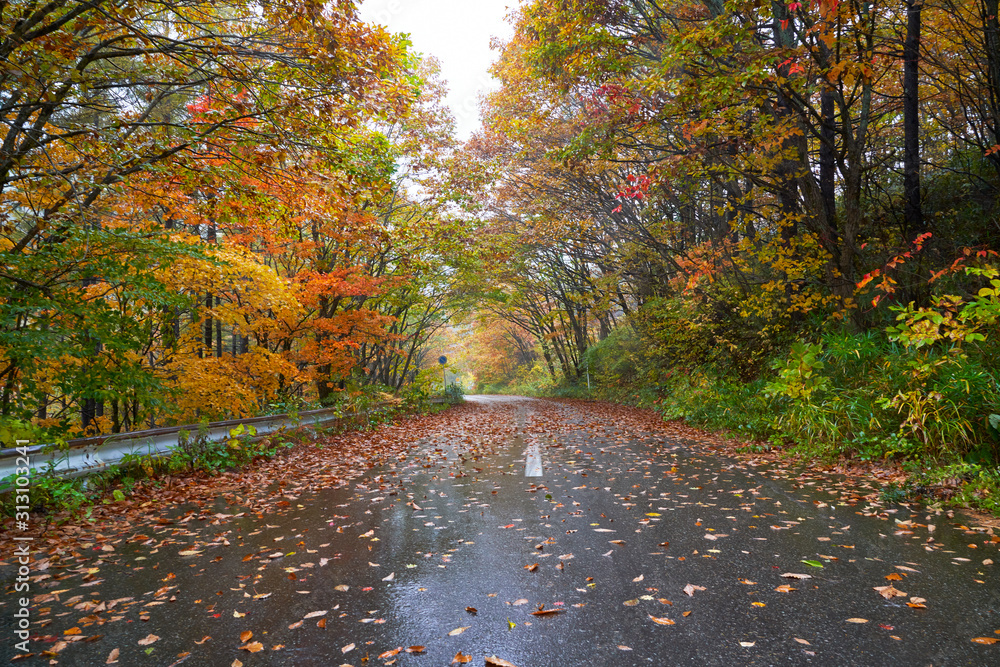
[
  {"x": 913, "y": 215},
  {"x": 913, "y": 219}
]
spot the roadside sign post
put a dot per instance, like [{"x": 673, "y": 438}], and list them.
[{"x": 444, "y": 373}]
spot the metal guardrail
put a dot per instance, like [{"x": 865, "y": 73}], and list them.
[{"x": 85, "y": 456}]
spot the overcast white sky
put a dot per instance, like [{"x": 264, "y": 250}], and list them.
[{"x": 458, "y": 32}]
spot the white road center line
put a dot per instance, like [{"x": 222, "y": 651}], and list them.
[{"x": 533, "y": 461}]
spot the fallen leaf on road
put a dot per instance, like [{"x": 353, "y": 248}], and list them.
[
  {"x": 246, "y": 636},
  {"x": 630, "y": 603},
  {"x": 532, "y": 567},
  {"x": 794, "y": 575},
  {"x": 415, "y": 649},
  {"x": 545, "y": 612},
  {"x": 458, "y": 631},
  {"x": 203, "y": 640},
  {"x": 785, "y": 588},
  {"x": 813, "y": 563},
  {"x": 460, "y": 659},
  {"x": 295, "y": 625},
  {"x": 389, "y": 654},
  {"x": 747, "y": 582},
  {"x": 253, "y": 647},
  {"x": 238, "y": 614},
  {"x": 637, "y": 579},
  {"x": 747, "y": 644},
  {"x": 889, "y": 592},
  {"x": 493, "y": 661},
  {"x": 392, "y": 575},
  {"x": 112, "y": 657},
  {"x": 985, "y": 640},
  {"x": 148, "y": 639},
  {"x": 857, "y": 620},
  {"x": 472, "y": 610},
  {"x": 802, "y": 641},
  {"x": 347, "y": 649},
  {"x": 343, "y": 588},
  {"x": 189, "y": 552},
  {"x": 893, "y": 576},
  {"x": 907, "y": 569},
  {"x": 661, "y": 621},
  {"x": 691, "y": 588},
  {"x": 236, "y": 663},
  {"x": 314, "y": 614},
  {"x": 624, "y": 648}
]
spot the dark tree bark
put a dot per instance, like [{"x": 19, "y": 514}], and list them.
[{"x": 912, "y": 213}]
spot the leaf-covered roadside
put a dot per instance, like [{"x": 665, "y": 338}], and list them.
[
  {"x": 423, "y": 543},
  {"x": 57, "y": 500}
]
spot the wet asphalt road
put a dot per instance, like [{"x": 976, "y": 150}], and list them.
[{"x": 455, "y": 535}]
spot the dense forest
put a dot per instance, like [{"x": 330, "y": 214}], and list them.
[
  {"x": 778, "y": 218},
  {"x": 213, "y": 210}
]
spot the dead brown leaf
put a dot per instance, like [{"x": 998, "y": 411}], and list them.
[
  {"x": 691, "y": 588},
  {"x": 889, "y": 592},
  {"x": 545, "y": 612},
  {"x": 493, "y": 661}
]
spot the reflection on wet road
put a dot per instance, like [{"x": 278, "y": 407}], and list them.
[{"x": 629, "y": 546}]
